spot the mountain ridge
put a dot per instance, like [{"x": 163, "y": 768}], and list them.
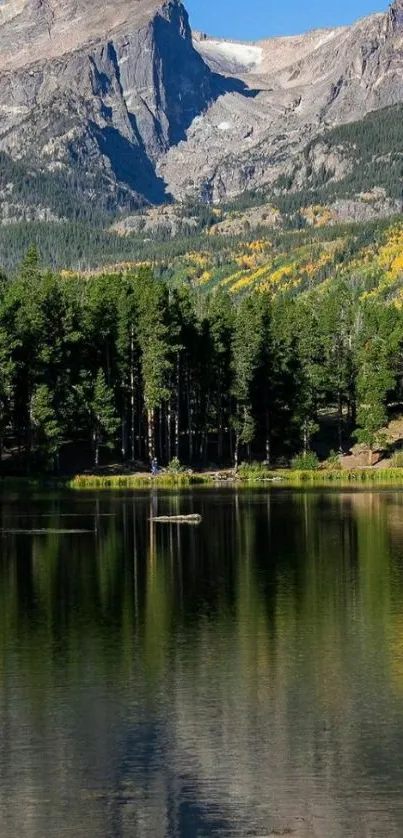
[
  {"x": 336, "y": 79},
  {"x": 132, "y": 108},
  {"x": 110, "y": 106}
]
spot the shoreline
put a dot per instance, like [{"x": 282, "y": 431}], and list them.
[{"x": 281, "y": 478}]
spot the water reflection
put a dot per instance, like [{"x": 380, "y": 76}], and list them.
[{"x": 243, "y": 678}]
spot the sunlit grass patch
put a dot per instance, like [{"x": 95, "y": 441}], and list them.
[{"x": 134, "y": 481}]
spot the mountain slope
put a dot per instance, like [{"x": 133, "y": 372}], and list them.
[
  {"x": 297, "y": 88},
  {"x": 103, "y": 93},
  {"x": 117, "y": 100}
]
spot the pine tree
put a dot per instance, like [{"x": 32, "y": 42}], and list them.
[
  {"x": 156, "y": 352},
  {"x": 105, "y": 419},
  {"x": 377, "y": 355},
  {"x": 310, "y": 378},
  {"x": 6, "y": 385},
  {"x": 219, "y": 326},
  {"x": 29, "y": 269},
  {"x": 336, "y": 312},
  {"x": 47, "y": 430},
  {"x": 128, "y": 362},
  {"x": 246, "y": 355}
]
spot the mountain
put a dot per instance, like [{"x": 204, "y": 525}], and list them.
[
  {"x": 110, "y": 106},
  {"x": 297, "y": 88},
  {"x": 99, "y": 92}
]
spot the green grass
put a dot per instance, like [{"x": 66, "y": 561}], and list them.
[
  {"x": 397, "y": 460},
  {"x": 135, "y": 481},
  {"x": 253, "y": 471},
  {"x": 250, "y": 474},
  {"x": 247, "y": 476},
  {"x": 387, "y": 476},
  {"x": 253, "y": 475}
]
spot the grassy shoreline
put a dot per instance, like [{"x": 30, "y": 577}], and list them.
[
  {"x": 264, "y": 478},
  {"x": 282, "y": 478}
]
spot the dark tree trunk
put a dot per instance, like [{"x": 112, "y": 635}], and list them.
[
  {"x": 124, "y": 437},
  {"x": 220, "y": 447},
  {"x": 340, "y": 423},
  {"x": 132, "y": 398},
  {"x": 190, "y": 426},
  {"x": 160, "y": 431},
  {"x": 268, "y": 450},
  {"x": 305, "y": 438},
  {"x": 178, "y": 405},
  {"x": 95, "y": 440},
  {"x": 231, "y": 443},
  {"x": 140, "y": 414},
  {"x": 151, "y": 434},
  {"x": 236, "y": 451},
  {"x": 169, "y": 432}
]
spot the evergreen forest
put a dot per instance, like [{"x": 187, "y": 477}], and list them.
[{"x": 129, "y": 363}]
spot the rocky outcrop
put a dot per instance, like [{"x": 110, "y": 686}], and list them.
[
  {"x": 396, "y": 15},
  {"x": 297, "y": 87},
  {"x": 117, "y": 97},
  {"x": 110, "y": 98}
]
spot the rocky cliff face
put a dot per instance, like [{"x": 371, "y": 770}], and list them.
[
  {"x": 396, "y": 14},
  {"x": 297, "y": 87},
  {"x": 118, "y": 97},
  {"x": 104, "y": 89}
]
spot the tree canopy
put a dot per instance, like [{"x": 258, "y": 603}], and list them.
[{"x": 126, "y": 362}]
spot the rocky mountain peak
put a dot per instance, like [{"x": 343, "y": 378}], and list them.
[
  {"x": 396, "y": 14},
  {"x": 50, "y": 28},
  {"x": 101, "y": 86},
  {"x": 118, "y": 91}
]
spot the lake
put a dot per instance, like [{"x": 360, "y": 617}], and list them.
[{"x": 243, "y": 677}]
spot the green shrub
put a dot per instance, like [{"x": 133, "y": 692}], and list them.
[
  {"x": 397, "y": 459},
  {"x": 252, "y": 471},
  {"x": 175, "y": 466},
  {"x": 333, "y": 462},
  {"x": 305, "y": 462}
]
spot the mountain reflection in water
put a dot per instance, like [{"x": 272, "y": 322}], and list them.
[{"x": 242, "y": 678}]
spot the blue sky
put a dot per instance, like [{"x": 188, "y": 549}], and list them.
[{"x": 253, "y": 19}]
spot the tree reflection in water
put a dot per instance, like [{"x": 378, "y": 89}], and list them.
[{"x": 234, "y": 679}]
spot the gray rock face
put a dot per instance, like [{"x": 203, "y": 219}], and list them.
[
  {"x": 117, "y": 94},
  {"x": 110, "y": 92},
  {"x": 298, "y": 86},
  {"x": 396, "y": 14}
]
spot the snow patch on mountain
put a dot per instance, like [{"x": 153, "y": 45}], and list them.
[{"x": 229, "y": 56}]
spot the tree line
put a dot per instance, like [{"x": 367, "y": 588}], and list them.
[
  {"x": 372, "y": 146},
  {"x": 129, "y": 363}
]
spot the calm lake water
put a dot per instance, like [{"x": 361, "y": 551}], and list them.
[{"x": 241, "y": 678}]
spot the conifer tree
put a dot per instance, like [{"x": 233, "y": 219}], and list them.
[
  {"x": 29, "y": 269},
  {"x": 155, "y": 348},
  {"x": 105, "y": 419},
  {"x": 47, "y": 429},
  {"x": 246, "y": 353},
  {"x": 219, "y": 325},
  {"x": 377, "y": 355},
  {"x": 128, "y": 361}
]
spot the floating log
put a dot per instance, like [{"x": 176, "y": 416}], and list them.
[{"x": 177, "y": 519}]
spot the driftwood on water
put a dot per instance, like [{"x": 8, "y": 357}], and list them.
[{"x": 177, "y": 519}]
